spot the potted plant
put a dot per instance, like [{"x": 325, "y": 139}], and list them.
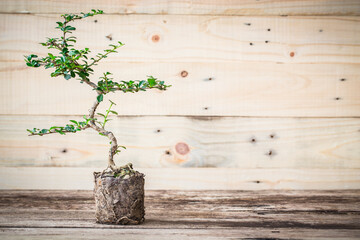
[{"x": 119, "y": 191}]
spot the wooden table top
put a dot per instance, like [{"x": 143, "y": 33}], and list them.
[{"x": 39, "y": 214}]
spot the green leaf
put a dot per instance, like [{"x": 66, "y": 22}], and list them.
[
  {"x": 101, "y": 114},
  {"x": 44, "y": 131},
  {"x": 114, "y": 112},
  {"x": 100, "y": 98},
  {"x": 59, "y": 131},
  {"x": 30, "y": 131},
  {"x": 73, "y": 121},
  {"x": 152, "y": 81},
  {"x": 67, "y": 76}
]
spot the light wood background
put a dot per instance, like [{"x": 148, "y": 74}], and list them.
[{"x": 266, "y": 94}]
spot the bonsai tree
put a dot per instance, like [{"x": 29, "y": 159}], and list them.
[{"x": 71, "y": 63}]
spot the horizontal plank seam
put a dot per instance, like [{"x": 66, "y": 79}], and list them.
[
  {"x": 210, "y": 15},
  {"x": 186, "y": 116},
  {"x": 337, "y": 226}
]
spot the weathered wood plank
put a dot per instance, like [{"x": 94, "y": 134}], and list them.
[
  {"x": 223, "y": 89},
  {"x": 205, "y": 214},
  {"x": 177, "y": 234},
  {"x": 187, "y": 142},
  {"x": 186, "y": 178},
  {"x": 194, "y": 38},
  {"x": 202, "y": 7}
]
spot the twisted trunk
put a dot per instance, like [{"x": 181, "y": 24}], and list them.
[{"x": 110, "y": 135}]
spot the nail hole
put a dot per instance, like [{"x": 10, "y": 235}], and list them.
[
  {"x": 320, "y": 30},
  {"x": 272, "y": 136},
  {"x": 95, "y": 21},
  {"x": 64, "y": 150},
  {"x": 164, "y": 21},
  {"x": 109, "y": 37},
  {"x": 158, "y": 130},
  {"x": 247, "y": 24},
  {"x": 268, "y": 29},
  {"x": 206, "y": 108},
  {"x": 292, "y": 54},
  {"x": 251, "y": 43},
  {"x": 257, "y": 181},
  {"x": 270, "y": 152},
  {"x": 343, "y": 79},
  {"x": 266, "y": 41},
  {"x": 253, "y": 140},
  {"x": 210, "y": 78},
  {"x": 167, "y": 152},
  {"x": 155, "y": 38},
  {"x": 184, "y": 73},
  {"x": 337, "y": 98}
]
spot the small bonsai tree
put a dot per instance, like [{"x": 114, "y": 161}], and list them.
[{"x": 72, "y": 63}]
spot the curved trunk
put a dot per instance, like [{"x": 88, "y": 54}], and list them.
[{"x": 110, "y": 135}]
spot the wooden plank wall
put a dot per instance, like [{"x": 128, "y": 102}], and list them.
[{"x": 265, "y": 94}]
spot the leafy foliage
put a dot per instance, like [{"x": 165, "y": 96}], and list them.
[
  {"x": 106, "y": 115},
  {"x": 69, "y": 128},
  {"x": 70, "y": 62}
]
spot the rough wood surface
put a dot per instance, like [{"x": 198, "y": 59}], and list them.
[
  {"x": 187, "y": 178},
  {"x": 156, "y": 141},
  {"x": 198, "y": 7},
  {"x": 223, "y": 89},
  {"x": 187, "y": 214}
]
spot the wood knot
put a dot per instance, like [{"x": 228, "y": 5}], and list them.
[
  {"x": 184, "y": 73},
  {"x": 292, "y": 54},
  {"x": 155, "y": 38},
  {"x": 182, "y": 148}
]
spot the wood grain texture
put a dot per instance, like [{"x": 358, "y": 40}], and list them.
[
  {"x": 194, "y": 38},
  {"x": 186, "y": 178},
  {"x": 184, "y": 214},
  {"x": 187, "y": 142},
  {"x": 198, "y": 7},
  {"x": 217, "y": 89}
]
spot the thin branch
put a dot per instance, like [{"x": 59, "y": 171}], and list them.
[
  {"x": 54, "y": 131},
  {"x": 110, "y": 135}
]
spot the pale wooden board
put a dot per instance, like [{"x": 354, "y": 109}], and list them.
[
  {"x": 186, "y": 214},
  {"x": 211, "y": 141},
  {"x": 186, "y": 178},
  {"x": 224, "y": 88},
  {"x": 203, "y": 7},
  {"x": 172, "y": 38}
]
